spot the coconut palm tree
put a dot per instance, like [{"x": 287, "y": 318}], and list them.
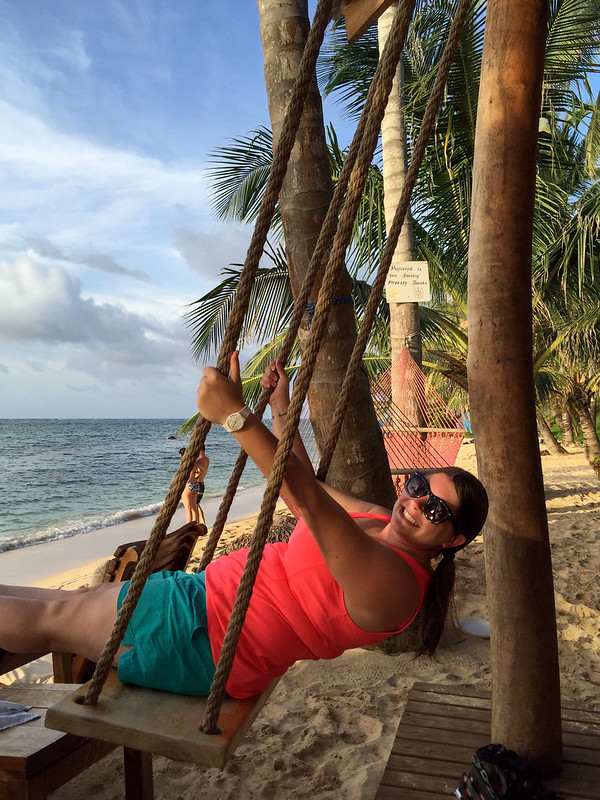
[
  {"x": 567, "y": 206},
  {"x": 359, "y": 465}
]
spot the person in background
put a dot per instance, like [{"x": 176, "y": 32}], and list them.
[{"x": 194, "y": 488}]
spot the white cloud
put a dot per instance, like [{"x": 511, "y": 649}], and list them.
[
  {"x": 44, "y": 304},
  {"x": 100, "y": 261},
  {"x": 70, "y": 50},
  {"x": 36, "y": 366},
  {"x": 211, "y": 248},
  {"x": 68, "y": 355},
  {"x": 107, "y": 113},
  {"x": 84, "y": 192}
]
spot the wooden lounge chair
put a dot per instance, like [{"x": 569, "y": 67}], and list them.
[{"x": 11, "y": 661}]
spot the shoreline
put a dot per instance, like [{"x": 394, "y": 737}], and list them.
[{"x": 71, "y": 562}]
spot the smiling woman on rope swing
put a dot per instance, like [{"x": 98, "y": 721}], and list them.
[{"x": 352, "y": 574}]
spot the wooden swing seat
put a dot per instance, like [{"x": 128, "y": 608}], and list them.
[{"x": 157, "y": 722}]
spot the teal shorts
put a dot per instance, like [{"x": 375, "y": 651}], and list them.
[{"x": 169, "y": 636}]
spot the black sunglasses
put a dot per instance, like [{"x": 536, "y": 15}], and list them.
[{"x": 435, "y": 509}]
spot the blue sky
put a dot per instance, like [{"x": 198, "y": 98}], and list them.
[{"x": 108, "y": 111}]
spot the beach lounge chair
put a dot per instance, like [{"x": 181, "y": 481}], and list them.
[{"x": 11, "y": 661}]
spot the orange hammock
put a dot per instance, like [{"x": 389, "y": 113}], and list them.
[{"x": 424, "y": 433}]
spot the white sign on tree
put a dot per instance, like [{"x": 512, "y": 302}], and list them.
[{"x": 408, "y": 282}]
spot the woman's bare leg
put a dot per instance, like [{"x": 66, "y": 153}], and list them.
[
  {"x": 195, "y": 509},
  {"x": 72, "y": 622},
  {"x": 36, "y": 593}
]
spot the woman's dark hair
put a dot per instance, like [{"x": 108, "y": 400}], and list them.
[{"x": 469, "y": 520}]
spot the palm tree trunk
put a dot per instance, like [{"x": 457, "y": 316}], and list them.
[
  {"x": 566, "y": 427},
  {"x": 360, "y": 466},
  {"x": 526, "y": 686},
  {"x": 405, "y": 327},
  {"x": 545, "y": 432},
  {"x": 590, "y": 437}
]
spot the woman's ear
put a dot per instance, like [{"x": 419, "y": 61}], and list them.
[{"x": 457, "y": 541}]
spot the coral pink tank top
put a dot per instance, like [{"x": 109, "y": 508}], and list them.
[{"x": 296, "y": 611}]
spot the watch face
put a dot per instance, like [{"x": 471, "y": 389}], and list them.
[{"x": 235, "y": 422}]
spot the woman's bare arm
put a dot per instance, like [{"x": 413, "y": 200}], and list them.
[
  {"x": 275, "y": 376},
  {"x": 369, "y": 573}
]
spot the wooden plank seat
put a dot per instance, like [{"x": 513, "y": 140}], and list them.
[
  {"x": 441, "y": 728},
  {"x": 157, "y": 722}
]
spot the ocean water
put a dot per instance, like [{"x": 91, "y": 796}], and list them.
[{"x": 62, "y": 477}]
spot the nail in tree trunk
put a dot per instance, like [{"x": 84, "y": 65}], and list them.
[{"x": 525, "y": 686}]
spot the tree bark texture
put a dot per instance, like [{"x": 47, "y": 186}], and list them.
[
  {"x": 360, "y": 466},
  {"x": 405, "y": 327},
  {"x": 567, "y": 427},
  {"x": 525, "y": 686},
  {"x": 590, "y": 436}
]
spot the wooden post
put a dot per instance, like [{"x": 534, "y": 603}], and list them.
[
  {"x": 361, "y": 14},
  {"x": 525, "y": 687}
]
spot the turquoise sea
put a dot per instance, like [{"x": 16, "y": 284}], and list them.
[{"x": 62, "y": 477}]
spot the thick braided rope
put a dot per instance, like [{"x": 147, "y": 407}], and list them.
[
  {"x": 386, "y": 64},
  {"x": 230, "y": 339},
  {"x": 431, "y": 110},
  {"x": 284, "y": 447}
]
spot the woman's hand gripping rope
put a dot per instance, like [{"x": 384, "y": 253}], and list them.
[{"x": 219, "y": 395}]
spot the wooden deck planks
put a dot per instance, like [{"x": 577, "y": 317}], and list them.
[
  {"x": 35, "y": 761},
  {"x": 441, "y": 728}
]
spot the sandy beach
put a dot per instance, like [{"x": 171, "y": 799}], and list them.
[{"x": 329, "y": 726}]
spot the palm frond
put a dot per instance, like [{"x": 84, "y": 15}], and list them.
[
  {"x": 240, "y": 175},
  {"x": 269, "y": 310},
  {"x": 571, "y": 47}
]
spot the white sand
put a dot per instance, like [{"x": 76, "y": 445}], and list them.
[{"x": 329, "y": 726}]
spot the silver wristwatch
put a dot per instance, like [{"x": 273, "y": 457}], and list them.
[{"x": 235, "y": 422}]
